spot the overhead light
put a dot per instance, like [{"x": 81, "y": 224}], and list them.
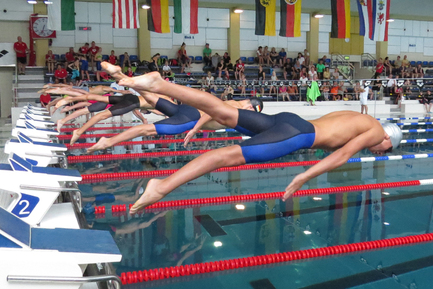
[
  {"x": 217, "y": 244},
  {"x": 240, "y": 207},
  {"x": 307, "y": 232},
  {"x": 48, "y": 2},
  {"x": 145, "y": 6},
  {"x": 238, "y": 11},
  {"x": 386, "y": 223},
  {"x": 32, "y": 1},
  {"x": 317, "y": 198},
  {"x": 318, "y": 16},
  {"x": 390, "y": 20}
]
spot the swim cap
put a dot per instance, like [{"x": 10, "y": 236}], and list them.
[
  {"x": 257, "y": 104},
  {"x": 394, "y": 133}
]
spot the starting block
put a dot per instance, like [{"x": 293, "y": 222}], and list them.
[{"x": 35, "y": 133}]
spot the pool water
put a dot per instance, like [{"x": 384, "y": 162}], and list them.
[{"x": 226, "y": 231}]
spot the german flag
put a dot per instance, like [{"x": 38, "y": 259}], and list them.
[
  {"x": 265, "y": 17},
  {"x": 290, "y": 18},
  {"x": 157, "y": 16},
  {"x": 340, "y": 18}
]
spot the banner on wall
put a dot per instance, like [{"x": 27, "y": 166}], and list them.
[
  {"x": 125, "y": 14},
  {"x": 373, "y": 19},
  {"x": 186, "y": 16},
  {"x": 265, "y": 17},
  {"x": 290, "y": 19},
  {"x": 340, "y": 19},
  {"x": 157, "y": 16},
  {"x": 61, "y": 15}
]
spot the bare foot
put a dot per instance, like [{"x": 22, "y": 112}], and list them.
[
  {"x": 60, "y": 123},
  {"x": 75, "y": 136},
  {"x": 149, "y": 197},
  {"x": 110, "y": 68},
  {"x": 102, "y": 144},
  {"x": 143, "y": 83}
]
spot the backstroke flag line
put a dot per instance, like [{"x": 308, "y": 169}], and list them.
[
  {"x": 373, "y": 16},
  {"x": 157, "y": 16},
  {"x": 186, "y": 16},
  {"x": 61, "y": 15},
  {"x": 340, "y": 19},
  {"x": 125, "y": 14},
  {"x": 290, "y": 20},
  {"x": 265, "y": 17}
]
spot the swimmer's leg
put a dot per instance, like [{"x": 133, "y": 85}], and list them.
[
  {"x": 133, "y": 132},
  {"x": 216, "y": 108},
  {"x": 76, "y": 106},
  {"x": 157, "y": 189},
  {"x": 72, "y": 116},
  {"x": 95, "y": 119}
]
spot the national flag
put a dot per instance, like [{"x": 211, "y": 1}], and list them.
[
  {"x": 290, "y": 18},
  {"x": 157, "y": 16},
  {"x": 61, "y": 15},
  {"x": 340, "y": 19},
  {"x": 186, "y": 16},
  {"x": 373, "y": 19},
  {"x": 265, "y": 17},
  {"x": 125, "y": 14}
]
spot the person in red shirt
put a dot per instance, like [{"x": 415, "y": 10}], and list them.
[
  {"x": 60, "y": 74},
  {"x": 84, "y": 50},
  {"x": 70, "y": 55},
  {"x": 93, "y": 50},
  {"x": 21, "y": 50},
  {"x": 112, "y": 58},
  {"x": 129, "y": 72},
  {"x": 240, "y": 68},
  {"x": 50, "y": 61},
  {"x": 45, "y": 98},
  {"x": 379, "y": 68}
]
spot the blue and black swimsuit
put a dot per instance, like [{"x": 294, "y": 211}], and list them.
[{"x": 273, "y": 136}]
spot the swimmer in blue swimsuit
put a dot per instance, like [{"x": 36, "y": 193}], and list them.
[{"x": 345, "y": 132}]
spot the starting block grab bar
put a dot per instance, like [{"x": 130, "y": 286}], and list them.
[{"x": 54, "y": 279}]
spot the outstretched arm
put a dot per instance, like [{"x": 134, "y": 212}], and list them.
[
  {"x": 203, "y": 120},
  {"x": 334, "y": 160}
]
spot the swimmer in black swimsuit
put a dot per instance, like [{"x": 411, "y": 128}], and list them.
[{"x": 346, "y": 132}]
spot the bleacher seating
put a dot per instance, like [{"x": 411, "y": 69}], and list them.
[
  {"x": 412, "y": 63},
  {"x": 62, "y": 57},
  {"x": 134, "y": 58},
  {"x": 243, "y": 58},
  {"x": 198, "y": 59},
  {"x": 425, "y": 63},
  {"x": 105, "y": 57},
  {"x": 192, "y": 58},
  {"x": 250, "y": 60}
]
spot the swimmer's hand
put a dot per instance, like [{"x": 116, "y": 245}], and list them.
[
  {"x": 188, "y": 137},
  {"x": 294, "y": 186}
]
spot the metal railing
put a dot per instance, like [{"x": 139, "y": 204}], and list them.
[
  {"x": 345, "y": 68},
  {"x": 112, "y": 280}
]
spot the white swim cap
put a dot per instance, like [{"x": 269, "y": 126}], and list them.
[{"x": 394, "y": 133}]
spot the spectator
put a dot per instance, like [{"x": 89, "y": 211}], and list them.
[
  {"x": 426, "y": 100},
  {"x": 312, "y": 74},
  {"x": 266, "y": 56},
  {"x": 342, "y": 91},
  {"x": 408, "y": 72},
  {"x": 320, "y": 69},
  {"x": 207, "y": 55},
  {"x": 273, "y": 79},
  {"x": 228, "y": 61},
  {"x": 303, "y": 78},
  {"x": 306, "y": 57},
  {"x": 282, "y": 57},
  {"x": 287, "y": 69},
  {"x": 60, "y": 74},
  {"x": 126, "y": 61},
  {"x": 45, "y": 99},
  {"x": 390, "y": 86},
  {"x": 261, "y": 75},
  {"x": 324, "y": 58},
  {"x": 84, "y": 67},
  {"x": 297, "y": 70},
  {"x": 222, "y": 67},
  {"x": 166, "y": 69},
  {"x": 50, "y": 60},
  {"x": 129, "y": 72},
  {"x": 70, "y": 56},
  {"x": 75, "y": 70},
  {"x": 242, "y": 84},
  {"x": 21, "y": 51},
  {"x": 98, "y": 59},
  {"x": 399, "y": 93},
  {"x": 274, "y": 56},
  {"x": 334, "y": 91},
  {"x": 388, "y": 66},
  {"x": 259, "y": 54},
  {"x": 183, "y": 58},
  {"x": 397, "y": 66},
  {"x": 326, "y": 74},
  {"x": 240, "y": 69},
  {"x": 292, "y": 91},
  {"x": 112, "y": 58},
  {"x": 325, "y": 90},
  {"x": 93, "y": 50},
  {"x": 364, "y": 92},
  {"x": 405, "y": 63},
  {"x": 407, "y": 88},
  {"x": 336, "y": 74},
  {"x": 228, "y": 93},
  {"x": 419, "y": 72},
  {"x": 376, "y": 88},
  {"x": 379, "y": 68},
  {"x": 153, "y": 64},
  {"x": 300, "y": 58},
  {"x": 84, "y": 50},
  {"x": 209, "y": 79}
]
